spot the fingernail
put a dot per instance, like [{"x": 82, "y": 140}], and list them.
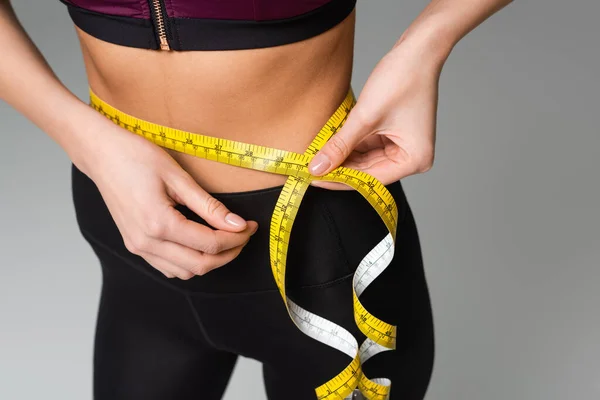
[
  {"x": 319, "y": 164},
  {"x": 235, "y": 220}
]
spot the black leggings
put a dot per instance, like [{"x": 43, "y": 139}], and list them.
[{"x": 160, "y": 339}]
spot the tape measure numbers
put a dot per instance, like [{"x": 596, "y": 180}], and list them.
[{"x": 380, "y": 336}]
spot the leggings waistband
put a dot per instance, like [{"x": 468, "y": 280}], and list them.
[{"x": 334, "y": 229}]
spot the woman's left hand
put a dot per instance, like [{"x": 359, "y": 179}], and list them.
[{"x": 390, "y": 132}]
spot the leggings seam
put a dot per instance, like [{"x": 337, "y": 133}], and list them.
[
  {"x": 333, "y": 228},
  {"x": 186, "y": 295},
  {"x": 91, "y": 237},
  {"x": 199, "y": 323},
  {"x": 186, "y": 292}
]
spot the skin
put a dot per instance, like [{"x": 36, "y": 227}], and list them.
[
  {"x": 278, "y": 97},
  {"x": 390, "y": 133}
]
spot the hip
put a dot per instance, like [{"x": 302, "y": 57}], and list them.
[{"x": 334, "y": 230}]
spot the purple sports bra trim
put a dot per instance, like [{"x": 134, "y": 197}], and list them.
[
  {"x": 127, "y": 25},
  {"x": 258, "y": 10}
]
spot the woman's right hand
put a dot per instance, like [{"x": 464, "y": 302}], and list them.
[{"x": 141, "y": 183}]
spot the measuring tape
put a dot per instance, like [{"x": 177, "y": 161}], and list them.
[{"x": 380, "y": 336}]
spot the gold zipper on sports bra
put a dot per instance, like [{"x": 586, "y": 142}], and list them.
[{"x": 159, "y": 20}]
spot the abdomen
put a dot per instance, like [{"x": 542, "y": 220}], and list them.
[{"x": 275, "y": 96}]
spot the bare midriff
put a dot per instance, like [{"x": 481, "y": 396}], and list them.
[{"x": 277, "y": 96}]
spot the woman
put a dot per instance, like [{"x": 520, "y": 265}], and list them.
[{"x": 184, "y": 241}]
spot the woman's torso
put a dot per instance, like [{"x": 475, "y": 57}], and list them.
[{"x": 275, "y": 96}]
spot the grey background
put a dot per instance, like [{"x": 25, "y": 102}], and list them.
[{"x": 508, "y": 216}]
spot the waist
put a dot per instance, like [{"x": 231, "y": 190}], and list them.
[
  {"x": 277, "y": 97},
  {"x": 291, "y": 126}
]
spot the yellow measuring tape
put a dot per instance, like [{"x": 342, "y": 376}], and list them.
[{"x": 380, "y": 336}]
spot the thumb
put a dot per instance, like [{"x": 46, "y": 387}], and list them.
[
  {"x": 212, "y": 210},
  {"x": 339, "y": 146}
]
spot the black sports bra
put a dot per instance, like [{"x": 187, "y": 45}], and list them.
[{"x": 206, "y": 24}]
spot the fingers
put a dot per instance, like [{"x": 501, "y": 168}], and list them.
[
  {"x": 200, "y": 237},
  {"x": 385, "y": 172},
  {"x": 213, "y": 211},
  {"x": 341, "y": 144},
  {"x": 184, "y": 262},
  {"x": 385, "y": 166},
  {"x": 166, "y": 267},
  {"x": 182, "y": 248},
  {"x": 141, "y": 201},
  {"x": 388, "y": 170},
  {"x": 331, "y": 185},
  {"x": 179, "y": 247}
]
